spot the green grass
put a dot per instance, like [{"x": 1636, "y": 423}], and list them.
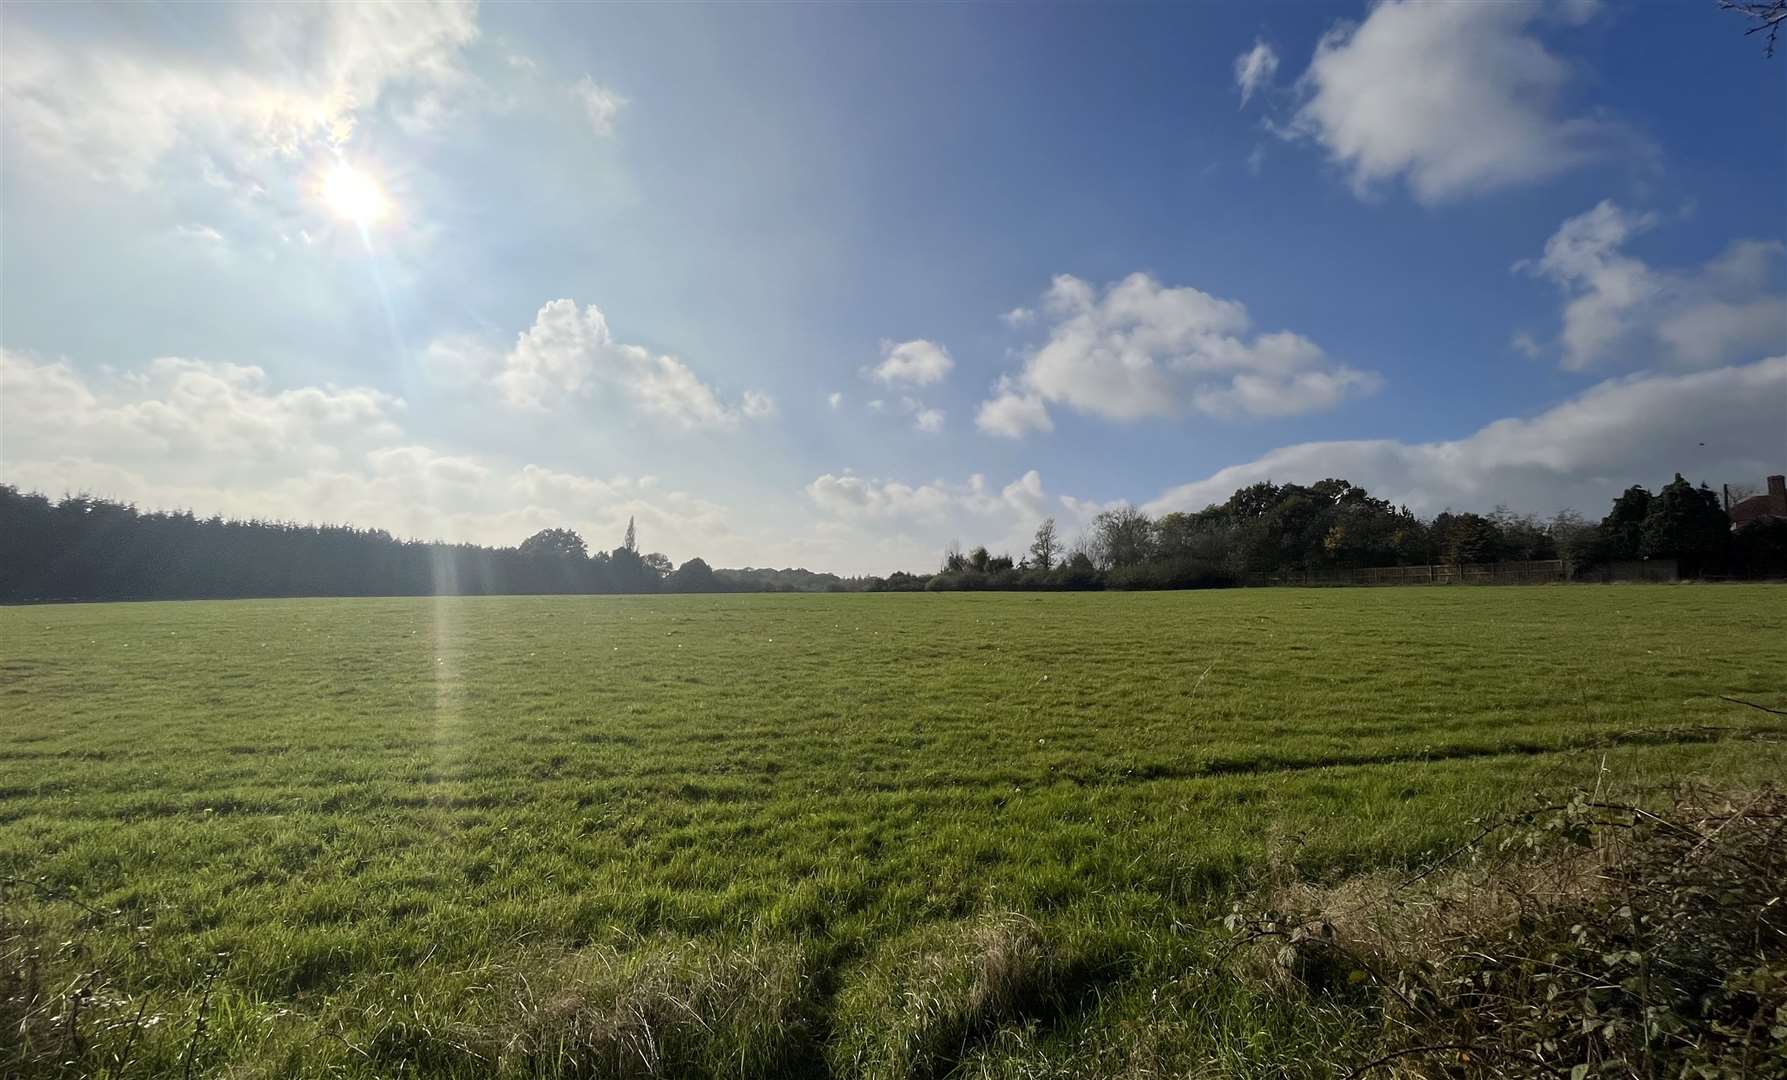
[{"x": 885, "y": 835}]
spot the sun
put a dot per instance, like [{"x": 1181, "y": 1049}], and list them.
[{"x": 354, "y": 196}]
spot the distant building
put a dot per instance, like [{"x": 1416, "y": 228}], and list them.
[{"x": 1772, "y": 504}]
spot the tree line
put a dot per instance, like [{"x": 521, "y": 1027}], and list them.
[
  {"x": 86, "y": 548},
  {"x": 1267, "y": 531}
]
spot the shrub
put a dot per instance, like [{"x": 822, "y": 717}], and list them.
[
  {"x": 1184, "y": 572},
  {"x": 1759, "y": 548},
  {"x": 1601, "y": 940}
]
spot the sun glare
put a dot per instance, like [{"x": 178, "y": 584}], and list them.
[{"x": 354, "y": 196}]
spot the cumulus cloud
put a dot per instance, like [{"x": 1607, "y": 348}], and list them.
[
  {"x": 834, "y": 399},
  {"x": 1618, "y": 307},
  {"x": 1018, "y": 316},
  {"x": 916, "y": 363},
  {"x": 1455, "y": 99},
  {"x": 177, "y": 411},
  {"x": 1711, "y": 425},
  {"x": 567, "y": 355},
  {"x": 1013, "y": 411},
  {"x": 908, "y": 526},
  {"x": 220, "y": 438},
  {"x": 852, "y": 496},
  {"x": 1254, "y": 69},
  {"x": 848, "y": 495},
  {"x": 600, "y": 104},
  {"x": 1140, "y": 349},
  {"x": 277, "y": 81}
]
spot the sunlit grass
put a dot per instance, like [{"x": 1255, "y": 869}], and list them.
[{"x": 487, "y": 834}]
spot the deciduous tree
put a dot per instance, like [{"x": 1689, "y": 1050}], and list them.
[
  {"x": 1045, "y": 549},
  {"x": 562, "y": 543}
]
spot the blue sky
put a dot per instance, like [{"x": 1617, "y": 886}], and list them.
[{"x": 837, "y": 285}]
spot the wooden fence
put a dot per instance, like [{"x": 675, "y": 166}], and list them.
[{"x": 1537, "y": 572}]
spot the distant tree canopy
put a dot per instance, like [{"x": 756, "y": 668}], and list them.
[
  {"x": 693, "y": 576},
  {"x": 560, "y": 543},
  {"x": 1684, "y": 522},
  {"x": 1622, "y": 530},
  {"x": 1266, "y": 530},
  {"x": 83, "y": 548}
]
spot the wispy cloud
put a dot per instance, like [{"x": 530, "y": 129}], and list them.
[
  {"x": 1254, "y": 69},
  {"x": 600, "y": 105}
]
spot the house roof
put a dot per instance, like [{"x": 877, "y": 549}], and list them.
[{"x": 1758, "y": 506}]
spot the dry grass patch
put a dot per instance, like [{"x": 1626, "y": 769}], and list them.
[
  {"x": 1595, "y": 939},
  {"x": 923, "y": 1003},
  {"x": 666, "y": 1008}
]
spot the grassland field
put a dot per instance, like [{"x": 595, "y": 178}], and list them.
[{"x": 784, "y": 835}]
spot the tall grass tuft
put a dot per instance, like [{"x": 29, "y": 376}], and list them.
[
  {"x": 677, "y": 1009},
  {"x": 919, "y": 1005}
]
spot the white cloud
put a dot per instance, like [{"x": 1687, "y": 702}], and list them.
[
  {"x": 834, "y": 399},
  {"x": 278, "y": 81},
  {"x": 1068, "y": 295},
  {"x": 218, "y": 438},
  {"x": 850, "y": 495},
  {"x": 600, "y": 104},
  {"x": 200, "y": 234},
  {"x": 1286, "y": 395},
  {"x": 908, "y": 526},
  {"x": 1254, "y": 69},
  {"x": 571, "y": 355},
  {"x": 461, "y": 360},
  {"x": 918, "y": 363},
  {"x": 1012, "y": 412},
  {"x": 1454, "y": 98},
  {"x": 1709, "y": 425},
  {"x": 1142, "y": 349},
  {"x": 1018, "y": 316},
  {"x": 924, "y": 417},
  {"x": 1618, "y": 307},
  {"x": 181, "y": 413}
]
